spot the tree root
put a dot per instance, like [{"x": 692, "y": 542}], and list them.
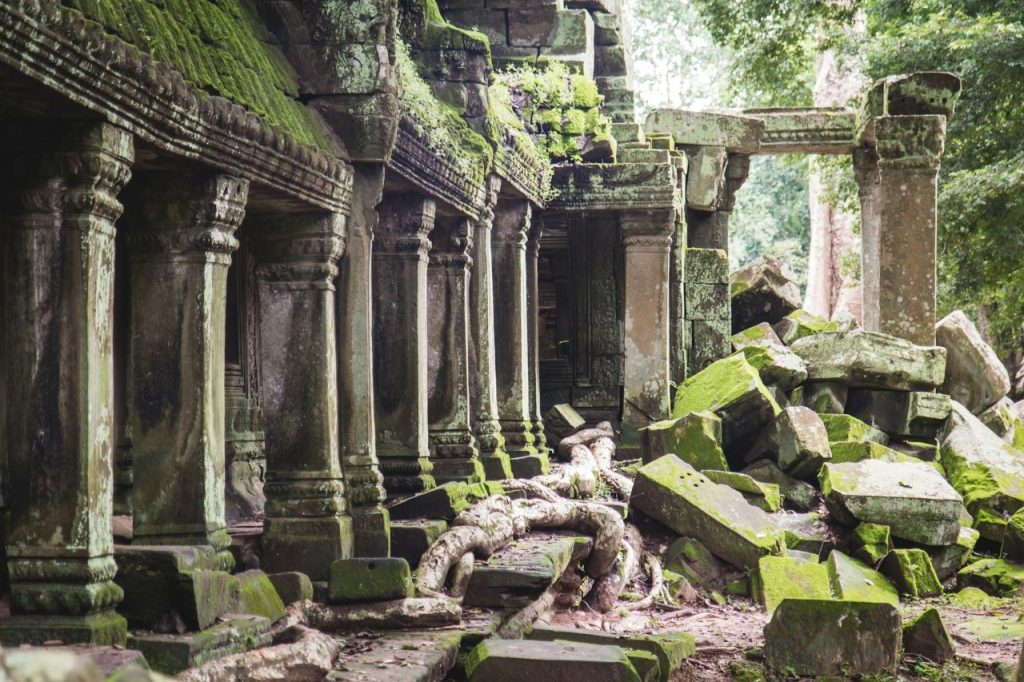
[
  {"x": 578, "y": 478},
  {"x": 533, "y": 489},
  {"x": 583, "y": 437},
  {"x": 306, "y": 655},
  {"x": 607, "y": 588},
  {"x": 657, "y": 583},
  {"x": 598, "y": 521},
  {"x": 603, "y": 450}
]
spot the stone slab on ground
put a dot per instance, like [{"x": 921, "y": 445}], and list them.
[
  {"x": 912, "y": 499},
  {"x": 107, "y": 659},
  {"x": 674, "y": 493},
  {"x": 975, "y": 377},
  {"x": 926, "y": 636},
  {"x": 820, "y": 637},
  {"x": 671, "y": 648},
  {"x": 502, "y": 660},
  {"x": 517, "y": 574},
  {"x": 170, "y": 654},
  {"x": 902, "y": 414},
  {"x": 410, "y": 538},
  {"x": 997, "y": 577},
  {"x": 863, "y": 359},
  {"x": 369, "y": 580}
]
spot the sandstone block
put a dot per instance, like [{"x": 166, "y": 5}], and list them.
[
  {"x": 927, "y": 636},
  {"x": 870, "y": 542},
  {"x": 258, "y": 596},
  {"x": 862, "y": 359},
  {"x": 1013, "y": 537},
  {"x": 912, "y": 572},
  {"x": 1004, "y": 420},
  {"x": 796, "y": 494},
  {"x": 844, "y": 427},
  {"x": 411, "y": 538},
  {"x": 706, "y": 266},
  {"x": 695, "y": 438},
  {"x": 670, "y": 648},
  {"x": 853, "y": 580},
  {"x": 797, "y": 440},
  {"x": 695, "y": 563},
  {"x": 974, "y": 375},
  {"x": 765, "y": 496},
  {"x": 912, "y": 499},
  {"x": 562, "y": 420},
  {"x": 760, "y": 334},
  {"x": 671, "y": 491},
  {"x": 801, "y": 323},
  {"x": 913, "y": 414},
  {"x": 762, "y": 292},
  {"x": 807, "y": 532},
  {"x": 172, "y": 653},
  {"x": 777, "y": 365},
  {"x": 369, "y": 580},
  {"x": 292, "y": 586},
  {"x": 824, "y": 397},
  {"x": 949, "y": 559},
  {"x": 500, "y": 660},
  {"x": 443, "y": 502},
  {"x": 997, "y": 577},
  {"x": 795, "y": 575}
]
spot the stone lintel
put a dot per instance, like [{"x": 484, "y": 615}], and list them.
[
  {"x": 733, "y": 130},
  {"x": 614, "y": 187},
  {"x": 818, "y": 130}
]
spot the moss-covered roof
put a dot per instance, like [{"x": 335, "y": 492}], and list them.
[{"x": 219, "y": 46}]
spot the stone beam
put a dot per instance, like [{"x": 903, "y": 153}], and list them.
[
  {"x": 806, "y": 131},
  {"x": 613, "y": 187},
  {"x": 734, "y": 131}
]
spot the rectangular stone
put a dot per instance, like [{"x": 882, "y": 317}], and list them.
[
  {"x": 495, "y": 660},
  {"x": 705, "y": 177},
  {"x": 411, "y": 538},
  {"x": 914, "y": 414},
  {"x": 562, "y": 420},
  {"x": 516, "y": 575},
  {"x": 672, "y": 492},
  {"x": 369, "y": 580},
  {"x": 170, "y": 654},
  {"x": 862, "y": 359},
  {"x": 707, "y": 301},
  {"x": 709, "y": 266}
]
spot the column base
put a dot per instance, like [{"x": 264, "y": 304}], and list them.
[
  {"x": 540, "y": 440},
  {"x": 496, "y": 466},
  {"x": 518, "y": 438},
  {"x": 406, "y": 475},
  {"x": 104, "y": 628},
  {"x": 528, "y": 466},
  {"x": 371, "y": 531},
  {"x": 309, "y": 545},
  {"x": 219, "y": 541},
  {"x": 459, "y": 470}
]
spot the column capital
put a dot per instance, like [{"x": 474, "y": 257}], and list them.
[
  {"x": 651, "y": 229},
  {"x": 177, "y": 213},
  {"x": 910, "y": 142},
  {"x": 405, "y": 222},
  {"x": 512, "y": 221},
  {"x": 865, "y": 168},
  {"x": 452, "y": 242},
  {"x": 298, "y": 247}
]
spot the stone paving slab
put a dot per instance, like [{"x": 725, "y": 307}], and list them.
[{"x": 517, "y": 574}]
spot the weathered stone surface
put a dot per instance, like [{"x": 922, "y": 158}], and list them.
[
  {"x": 695, "y": 438},
  {"x": 674, "y": 493},
  {"x": 442, "y": 502},
  {"x": 863, "y": 359},
  {"x": 170, "y": 654},
  {"x": 819, "y": 637},
  {"x": 997, "y": 577},
  {"x": 797, "y": 440},
  {"x": 855, "y": 581},
  {"x": 777, "y": 365},
  {"x": 926, "y": 636},
  {"x": 760, "y": 334},
  {"x": 411, "y": 538},
  {"x": 845, "y": 451},
  {"x": 870, "y": 542},
  {"x": 670, "y": 648},
  {"x": 500, "y": 660},
  {"x": 706, "y": 128},
  {"x": 762, "y": 292},
  {"x": 912, "y": 499},
  {"x": 1004, "y": 420},
  {"x": 824, "y": 397},
  {"x": 369, "y": 580},
  {"x": 975, "y": 376},
  {"x": 949, "y": 559},
  {"x": 733, "y": 390},
  {"x": 795, "y": 575},
  {"x": 807, "y": 532},
  {"x": 986, "y": 471},
  {"x": 924, "y": 451},
  {"x": 292, "y": 586},
  {"x": 912, "y": 572},
  {"x": 516, "y": 575},
  {"x": 258, "y": 596},
  {"x": 796, "y": 494},
  {"x": 562, "y": 420},
  {"x": 696, "y": 564},
  {"x": 1013, "y": 537},
  {"x": 765, "y": 496},
  {"x": 914, "y": 414},
  {"x": 801, "y": 323},
  {"x": 844, "y": 427}
]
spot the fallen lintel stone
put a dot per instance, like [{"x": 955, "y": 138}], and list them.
[
  {"x": 674, "y": 493},
  {"x": 912, "y": 499},
  {"x": 927, "y": 636},
  {"x": 913, "y": 414},
  {"x": 863, "y": 359},
  {"x": 975, "y": 376},
  {"x": 501, "y": 660}
]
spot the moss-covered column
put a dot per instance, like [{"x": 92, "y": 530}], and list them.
[
  {"x": 647, "y": 236},
  {"x": 865, "y": 171},
  {"x": 400, "y": 347},
  {"x": 709, "y": 229},
  {"x": 511, "y": 226},
  {"x": 181, "y": 236},
  {"x": 490, "y": 440},
  {"x": 60, "y": 204},
  {"x": 532, "y": 319},
  {"x": 306, "y": 526},
  {"x": 452, "y": 445},
  {"x": 363, "y": 480},
  {"x": 909, "y": 152}
]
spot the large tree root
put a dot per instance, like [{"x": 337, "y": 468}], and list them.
[
  {"x": 578, "y": 478},
  {"x": 598, "y": 521},
  {"x": 304, "y": 655},
  {"x": 606, "y": 589},
  {"x": 657, "y": 583},
  {"x": 603, "y": 450},
  {"x": 583, "y": 437}
]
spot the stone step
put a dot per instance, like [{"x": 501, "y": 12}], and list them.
[{"x": 170, "y": 654}]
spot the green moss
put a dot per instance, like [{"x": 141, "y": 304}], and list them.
[
  {"x": 258, "y": 596},
  {"x": 843, "y": 427},
  {"x": 721, "y": 383},
  {"x": 695, "y": 438},
  {"x": 795, "y": 576},
  {"x": 763, "y": 495},
  {"x": 870, "y": 542},
  {"x": 912, "y": 572},
  {"x": 997, "y": 577}
]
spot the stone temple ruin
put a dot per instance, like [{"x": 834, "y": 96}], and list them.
[{"x": 300, "y": 293}]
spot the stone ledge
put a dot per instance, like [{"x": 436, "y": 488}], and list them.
[{"x": 614, "y": 187}]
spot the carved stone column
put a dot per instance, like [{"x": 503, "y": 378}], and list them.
[
  {"x": 452, "y": 445},
  {"x": 490, "y": 440},
  {"x": 180, "y": 241},
  {"x": 647, "y": 236},
  {"x": 306, "y": 526},
  {"x": 865, "y": 171},
  {"x": 710, "y": 229},
  {"x": 60, "y": 204},
  {"x": 400, "y": 341},
  {"x": 511, "y": 334},
  {"x": 909, "y": 151},
  {"x": 363, "y": 480},
  {"x": 532, "y": 319}
]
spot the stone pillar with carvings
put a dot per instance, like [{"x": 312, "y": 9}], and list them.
[
  {"x": 511, "y": 226},
  {"x": 647, "y": 236},
  {"x": 307, "y": 527},
  {"x": 452, "y": 444},
  {"x": 400, "y": 346},
  {"x": 363, "y": 481},
  {"x": 490, "y": 441},
  {"x": 865, "y": 171},
  {"x": 181, "y": 236},
  {"x": 532, "y": 320},
  {"x": 60, "y": 205},
  {"x": 909, "y": 152}
]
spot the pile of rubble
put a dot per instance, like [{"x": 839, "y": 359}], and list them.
[{"x": 829, "y": 472}]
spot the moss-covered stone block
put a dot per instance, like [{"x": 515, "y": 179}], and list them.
[
  {"x": 671, "y": 491},
  {"x": 292, "y": 586},
  {"x": 912, "y": 572},
  {"x": 497, "y": 660},
  {"x": 695, "y": 438},
  {"x": 854, "y": 581},
  {"x": 870, "y": 542},
  {"x": 863, "y": 359},
  {"x": 949, "y": 559},
  {"x": 797, "y": 440},
  {"x": 997, "y": 577},
  {"x": 172, "y": 653},
  {"x": 764, "y": 291},
  {"x": 806, "y": 532},
  {"x": 800, "y": 323},
  {"x": 845, "y": 427},
  {"x": 411, "y": 538},
  {"x": 927, "y": 636},
  {"x": 1013, "y": 537},
  {"x": 760, "y": 334},
  {"x": 765, "y": 496},
  {"x": 258, "y": 596},
  {"x": 669, "y": 648},
  {"x": 824, "y": 397},
  {"x": 796, "y": 494},
  {"x": 696, "y": 564},
  {"x": 443, "y": 502},
  {"x": 795, "y": 575},
  {"x": 369, "y": 580},
  {"x": 904, "y": 414},
  {"x": 777, "y": 365}
]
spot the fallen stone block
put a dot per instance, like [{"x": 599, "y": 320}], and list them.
[
  {"x": 796, "y": 494},
  {"x": 870, "y": 542},
  {"x": 759, "y": 335},
  {"x": 1004, "y": 420},
  {"x": 975, "y": 377},
  {"x": 808, "y": 532},
  {"x": 824, "y": 397},
  {"x": 695, "y": 562},
  {"x": 797, "y": 440},
  {"x": 912, "y": 499},
  {"x": 501, "y": 660},
  {"x": 949, "y": 559},
  {"x": 795, "y": 575},
  {"x": 912, "y": 572},
  {"x": 695, "y": 438},
  {"x": 997, "y": 577},
  {"x": 821, "y": 637},
  {"x": 902, "y": 414},
  {"x": 764, "y": 496},
  {"x": 561, "y": 421},
  {"x": 369, "y": 580},
  {"x": 443, "y": 502},
  {"x": 172, "y": 653},
  {"x": 292, "y": 586},
  {"x": 846, "y": 451},
  {"x": 777, "y": 365},
  {"x": 855, "y": 581},
  {"x": 410, "y": 538},
  {"x": 258, "y": 596},
  {"x": 842, "y": 427},
  {"x": 986, "y": 471},
  {"x": 674, "y": 493},
  {"x": 517, "y": 574},
  {"x": 732, "y": 389},
  {"x": 801, "y": 323},
  {"x": 863, "y": 359},
  {"x": 1013, "y": 537},
  {"x": 926, "y": 636},
  {"x": 926, "y": 451},
  {"x": 670, "y": 648},
  {"x": 762, "y": 292}
]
